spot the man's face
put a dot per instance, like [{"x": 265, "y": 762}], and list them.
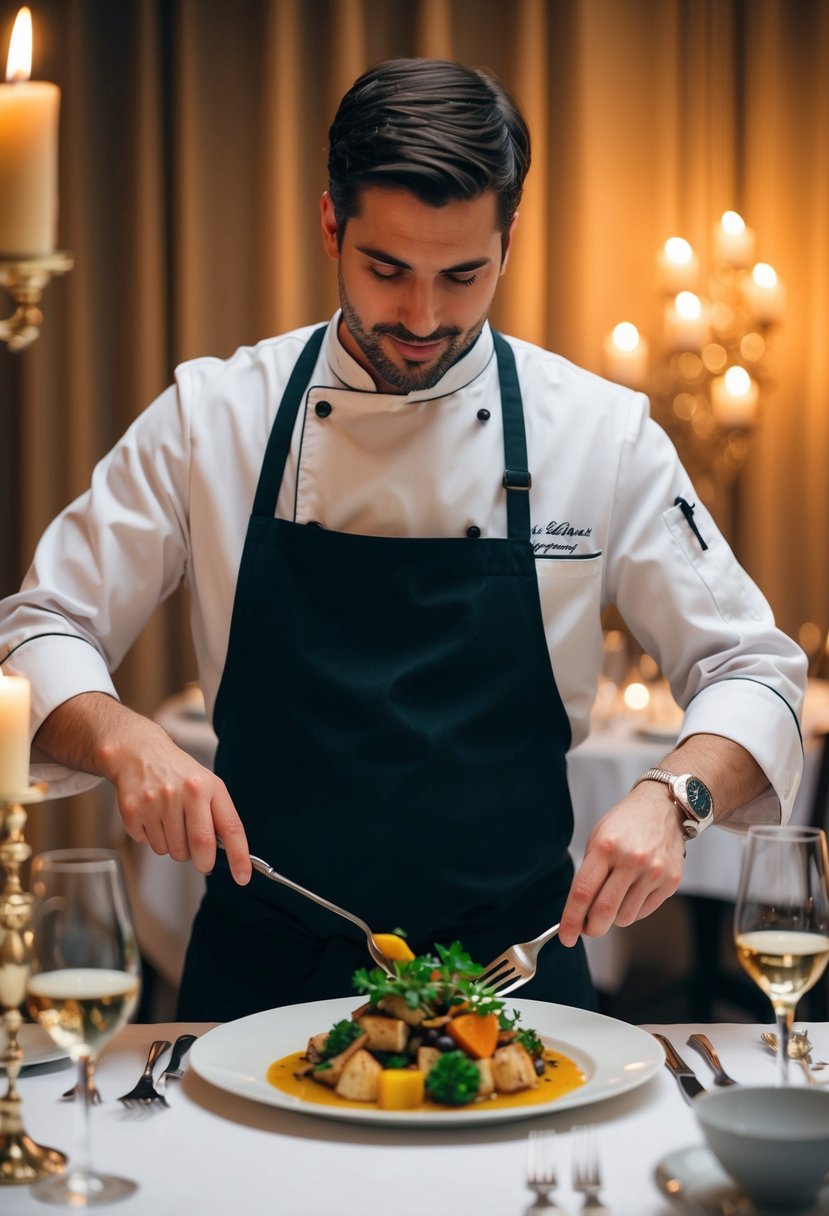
[{"x": 416, "y": 282}]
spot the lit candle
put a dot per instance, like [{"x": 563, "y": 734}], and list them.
[
  {"x": 764, "y": 294},
  {"x": 733, "y": 241},
  {"x": 626, "y": 356},
  {"x": 678, "y": 265},
  {"x": 687, "y": 322},
  {"x": 28, "y": 151},
  {"x": 15, "y": 702},
  {"x": 734, "y": 398}
]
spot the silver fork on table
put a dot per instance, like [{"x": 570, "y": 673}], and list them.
[
  {"x": 587, "y": 1176},
  {"x": 516, "y": 966},
  {"x": 373, "y": 948},
  {"x": 541, "y": 1167},
  {"x": 144, "y": 1092}
]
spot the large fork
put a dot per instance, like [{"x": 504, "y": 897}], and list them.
[
  {"x": 516, "y": 966},
  {"x": 144, "y": 1092}
]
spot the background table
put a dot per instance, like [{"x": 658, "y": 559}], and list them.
[{"x": 213, "y": 1153}]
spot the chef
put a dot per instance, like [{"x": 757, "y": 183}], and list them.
[{"x": 399, "y": 531}]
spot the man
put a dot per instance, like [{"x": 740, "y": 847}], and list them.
[{"x": 401, "y": 642}]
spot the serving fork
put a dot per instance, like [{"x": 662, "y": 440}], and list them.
[
  {"x": 516, "y": 966},
  {"x": 144, "y": 1092},
  {"x": 373, "y": 948}
]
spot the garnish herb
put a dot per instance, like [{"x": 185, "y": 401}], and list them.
[{"x": 453, "y": 1080}]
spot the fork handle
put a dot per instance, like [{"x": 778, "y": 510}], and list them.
[
  {"x": 182, "y": 1045},
  {"x": 275, "y": 876},
  {"x": 545, "y": 937},
  {"x": 157, "y": 1049}
]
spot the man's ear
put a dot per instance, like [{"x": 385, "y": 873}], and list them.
[
  {"x": 508, "y": 243},
  {"x": 328, "y": 220}
]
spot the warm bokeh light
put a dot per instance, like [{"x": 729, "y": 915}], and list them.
[
  {"x": 19, "y": 62},
  {"x": 688, "y": 306},
  {"x": 625, "y": 336},
  {"x": 764, "y": 275},
  {"x": 678, "y": 251},
  {"x": 738, "y": 381},
  {"x": 636, "y": 696},
  {"x": 732, "y": 222}
]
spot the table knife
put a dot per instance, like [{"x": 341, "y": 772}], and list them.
[{"x": 685, "y": 1075}]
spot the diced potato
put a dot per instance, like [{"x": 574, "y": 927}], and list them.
[
  {"x": 384, "y": 1034},
  {"x": 394, "y": 947},
  {"x": 360, "y": 1078},
  {"x": 330, "y": 1075},
  {"x": 400, "y": 1089},
  {"x": 513, "y": 1069},
  {"x": 487, "y": 1082},
  {"x": 427, "y": 1057},
  {"x": 397, "y": 1007},
  {"x": 316, "y": 1046}
]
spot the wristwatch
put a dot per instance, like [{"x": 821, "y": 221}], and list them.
[{"x": 691, "y": 795}]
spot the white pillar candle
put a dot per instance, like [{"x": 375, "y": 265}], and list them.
[
  {"x": 28, "y": 152},
  {"x": 733, "y": 241},
  {"x": 15, "y": 708},
  {"x": 678, "y": 266},
  {"x": 734, "y": 398},
  {"x": 687, "y": 322},
  {"x": 626, "y": 356},
  {"x": 764, "y": 294}
]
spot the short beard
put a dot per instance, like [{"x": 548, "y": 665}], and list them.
[{"x": 408, "y": 377}]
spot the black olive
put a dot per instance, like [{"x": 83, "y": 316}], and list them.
[
  {"x": 431, "y": 1036},
  {"x": 539, "y": 1067},
  {"x": 445, "y": 1042}
]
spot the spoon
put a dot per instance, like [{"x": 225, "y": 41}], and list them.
[{"x": 800, "y": 1049}]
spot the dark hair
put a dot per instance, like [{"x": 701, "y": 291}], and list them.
[{"x": 436, "y": 128}]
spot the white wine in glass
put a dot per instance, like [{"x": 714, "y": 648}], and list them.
[
  {"x": 84, "y": 984},
  {"x": 781, "y": 920}
]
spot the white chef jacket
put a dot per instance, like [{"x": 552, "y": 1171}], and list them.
[{"x": 172, "y": 500}]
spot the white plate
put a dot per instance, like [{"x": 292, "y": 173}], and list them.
[
  {"x": 38, "y": 1048},
  {"x": 614, "y": 1056},
  {"x": 696, "y": 1182}
]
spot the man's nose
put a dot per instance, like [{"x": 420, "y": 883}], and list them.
[{"x": 419, "y": 310}]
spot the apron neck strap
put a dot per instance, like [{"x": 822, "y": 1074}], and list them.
[
  {"x": 516, "y": 479},
  {"x": 279, "y": 443}
]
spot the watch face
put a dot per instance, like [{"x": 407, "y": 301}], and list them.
[{"x": 699, "y": 799}]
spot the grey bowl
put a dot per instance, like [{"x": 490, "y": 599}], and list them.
[{"x": 773, "y": 1142}]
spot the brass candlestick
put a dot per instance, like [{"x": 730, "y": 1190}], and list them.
[
  {"x": 25, "y": 279},
  {"x": 21, "y": 1160}
]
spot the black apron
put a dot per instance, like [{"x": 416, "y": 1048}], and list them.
[{"x": 392, "y": 736}]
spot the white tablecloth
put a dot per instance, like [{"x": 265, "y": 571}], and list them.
[
  {"x": 212, "y": 1153},
  {"x": 165, "y": 894}
]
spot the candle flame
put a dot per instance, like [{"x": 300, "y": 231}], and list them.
[
  {"x": 764, "y": 275},
  {"x": 19, "y": 62},
  {"x": 625, "y": 336},
  {"x": 732, "y": 222},
  {"x": 678, "y": 251},
  {"x": 688, "y": 305},
  {"x": 636, "y": 696},
  {"x": 738, "y": 381}
]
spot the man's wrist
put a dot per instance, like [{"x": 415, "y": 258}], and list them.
[{"x": 691, "y": 796}]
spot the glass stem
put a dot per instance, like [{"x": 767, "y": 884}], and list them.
[
  {"x": 83, "y": 1136},
  {"x": 785, "y": 1023}
]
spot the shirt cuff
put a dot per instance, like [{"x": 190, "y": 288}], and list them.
[{"x": 755, "y": 716}]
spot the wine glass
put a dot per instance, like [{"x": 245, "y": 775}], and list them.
[
  {"x": 83, "y": 986},
  {"x": 781, "y": 920}
]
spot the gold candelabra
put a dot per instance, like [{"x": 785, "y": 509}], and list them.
[
  {"x": 21, "y": 1159},
  {"x": 25, "y": 279},
  {"x": 708, "y": 366}
]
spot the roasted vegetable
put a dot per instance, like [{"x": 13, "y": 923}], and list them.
[
  {"x": 454, "y": 1079},
  {"x": 400, "y": 1090},
  {"x": 475, "y": 1034}
]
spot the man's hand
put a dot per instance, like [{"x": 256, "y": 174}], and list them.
[
  {"x": 632, "y": 863},
  {"x": 166, "y": 798},
  {"x": 634, "y": 855}
]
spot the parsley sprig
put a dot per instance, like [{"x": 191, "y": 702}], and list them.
[{"x": 432, "y": 982}]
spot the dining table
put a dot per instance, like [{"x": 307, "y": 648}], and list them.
[{"x": 213, "y": 1151}]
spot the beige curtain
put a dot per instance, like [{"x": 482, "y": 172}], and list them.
[{"x": 193, "y": 139}]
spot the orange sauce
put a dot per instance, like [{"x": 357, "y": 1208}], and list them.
[{"x": 561, "y": 1076}]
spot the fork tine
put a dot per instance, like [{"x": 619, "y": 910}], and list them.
[{"x": 495, "y": 971}]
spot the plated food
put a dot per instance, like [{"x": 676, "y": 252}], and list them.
[{"x": 430, "y": 1036}]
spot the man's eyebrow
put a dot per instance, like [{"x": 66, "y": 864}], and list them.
[{"x": 378, "y": 255}]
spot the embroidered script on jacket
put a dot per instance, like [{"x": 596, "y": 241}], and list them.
[{"x": 554, "y": 528}]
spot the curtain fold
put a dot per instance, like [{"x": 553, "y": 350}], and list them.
[{"x": 193, "y": 139}]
